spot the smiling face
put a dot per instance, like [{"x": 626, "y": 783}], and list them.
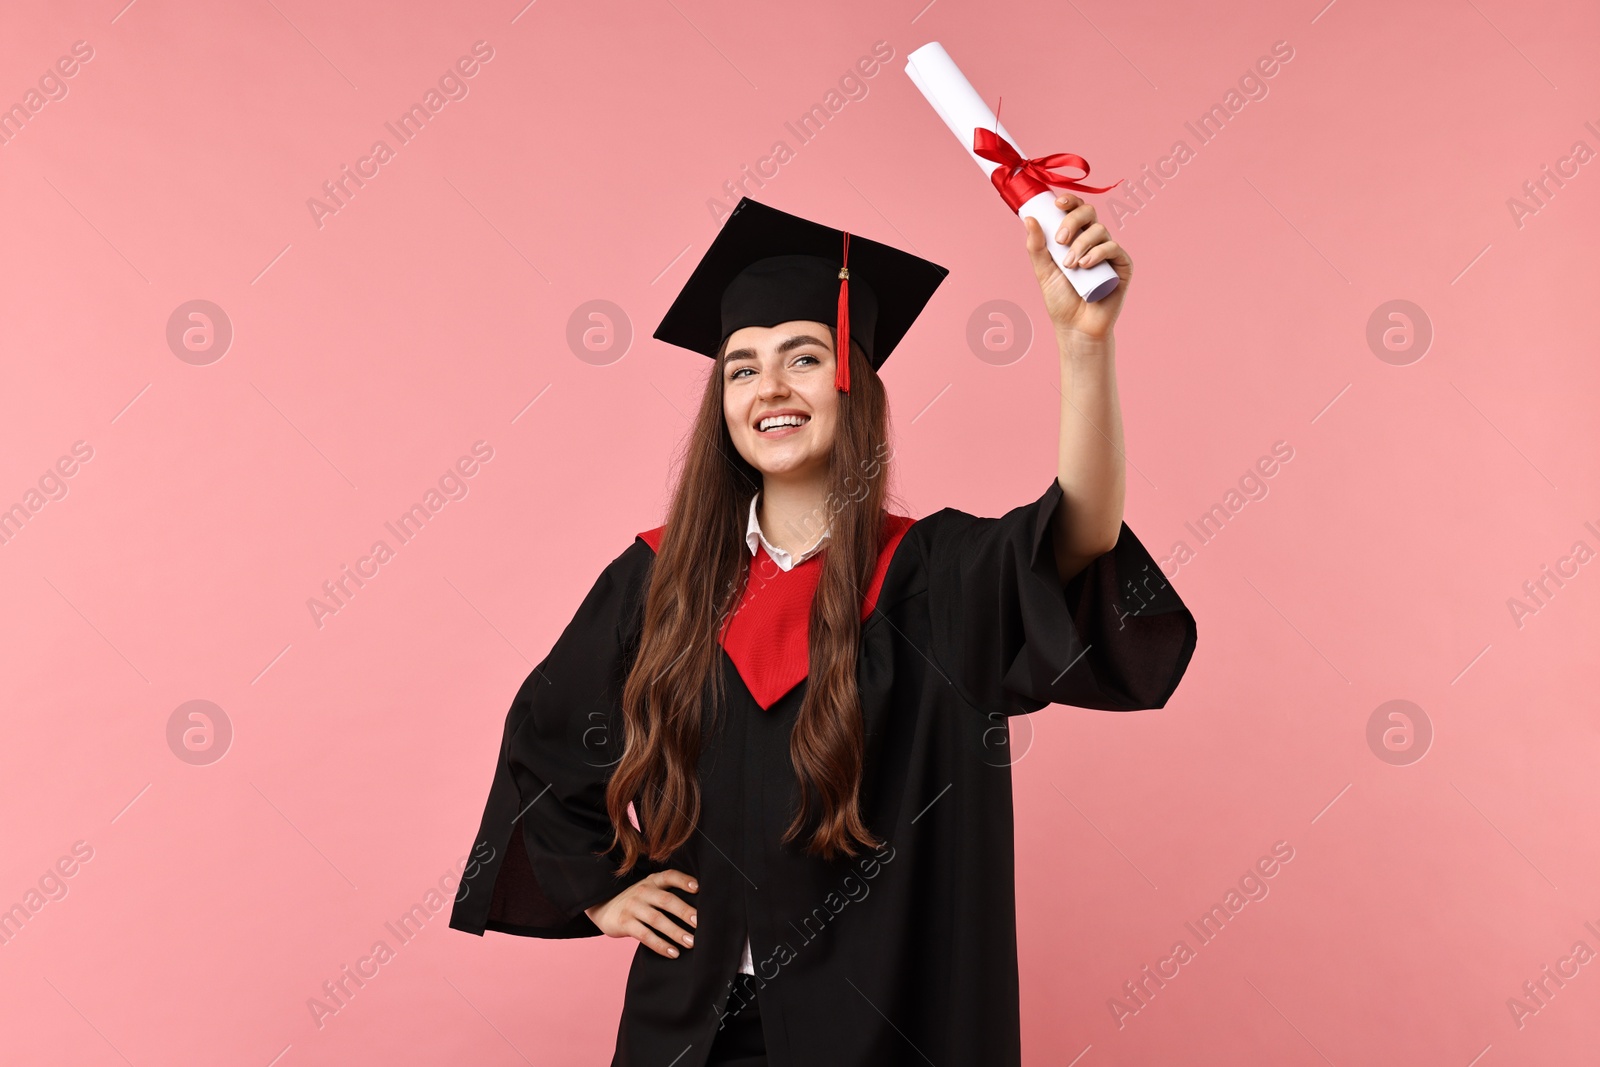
[{"x": 779, "y": 399}]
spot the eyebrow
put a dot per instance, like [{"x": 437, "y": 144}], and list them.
[{"x": 787, "y": 345}]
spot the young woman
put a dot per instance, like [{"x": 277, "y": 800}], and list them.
[{"x": 785, "y": 710}]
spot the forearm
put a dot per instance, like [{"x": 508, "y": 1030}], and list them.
[{"x": 1090, "y": 463}]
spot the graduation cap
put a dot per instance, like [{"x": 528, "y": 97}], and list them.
[{"x": 767, "y": 266}]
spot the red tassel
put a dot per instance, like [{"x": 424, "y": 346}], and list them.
[{"x": 841, "y": 373}]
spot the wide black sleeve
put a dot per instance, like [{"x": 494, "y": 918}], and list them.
[
  {"x": 540, "y": 855},
  {"x": 1013, "y": 639}
]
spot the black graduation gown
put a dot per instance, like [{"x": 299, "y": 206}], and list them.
[{"x": 903, "y": 955}]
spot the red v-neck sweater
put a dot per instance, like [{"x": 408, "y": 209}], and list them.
[{"x": 767, "y": 638}]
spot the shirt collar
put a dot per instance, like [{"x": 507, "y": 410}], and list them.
[{"x": 754, "y": 536}]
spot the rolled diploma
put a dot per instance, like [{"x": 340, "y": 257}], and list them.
[{"x": 955, "y": 101}]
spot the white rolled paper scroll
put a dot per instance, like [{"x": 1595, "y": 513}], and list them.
[{"x": 955, "y": 101}]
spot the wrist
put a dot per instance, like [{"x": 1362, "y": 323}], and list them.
[{"x": 1074, "y": 344}]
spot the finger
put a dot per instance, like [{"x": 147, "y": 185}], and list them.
[
  {"x": 650, "y": 939},
  {"x": 658, "y": 920},
  {"x": 1074, "y": 223},
  {"x": 681, "y": 879},
  {"x": 1106, "y": 251},
  {"x": 1068, "y": 201},
  {"x": 1085, "y": 241},
  {"x": 671, "y": 902},
  {"x": 1039, "y": 251},
  {"x": 1033, "y": 238}
]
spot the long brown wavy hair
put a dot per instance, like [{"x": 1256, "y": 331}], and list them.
[{"x": 674, "y": 689}]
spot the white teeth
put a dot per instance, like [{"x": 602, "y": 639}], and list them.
[{"x": 774, "y": 421}]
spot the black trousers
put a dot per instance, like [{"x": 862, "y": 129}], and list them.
[{"x": 739, "y": 1043}]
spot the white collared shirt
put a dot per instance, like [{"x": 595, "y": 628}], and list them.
[{"x": 754, "y": 536}]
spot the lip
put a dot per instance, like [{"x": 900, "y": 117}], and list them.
[{"x": 785, "y": 431}]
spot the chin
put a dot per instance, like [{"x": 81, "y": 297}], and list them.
[{"x": 778, "y": 465}]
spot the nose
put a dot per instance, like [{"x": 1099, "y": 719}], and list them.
[{"x": 773, "y": 383}]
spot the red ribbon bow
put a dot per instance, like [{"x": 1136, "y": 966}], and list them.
[{"x": 1020, "y": 180}]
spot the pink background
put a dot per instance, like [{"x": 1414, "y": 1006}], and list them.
[{"x": 432, "y": 310}]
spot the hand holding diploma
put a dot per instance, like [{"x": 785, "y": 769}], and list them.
[
  {"x": 1089, "y": 245},
  {"x": 1025, "y": 184}
]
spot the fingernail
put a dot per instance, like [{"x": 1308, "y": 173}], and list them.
[
  {"x": 688, "y": 939},
  {"x": 694, "y": 920},
  {"x": 672, "y": 951},
  {"x": 694, "y": 887}
]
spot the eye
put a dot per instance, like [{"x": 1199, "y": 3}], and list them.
[
  {"x": 738, "y": 371},
  {"x": 812, "y": 358}
]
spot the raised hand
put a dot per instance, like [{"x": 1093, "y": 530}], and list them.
[{"x": 1091, "y": 243}]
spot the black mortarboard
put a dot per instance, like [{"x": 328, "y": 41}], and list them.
[{"x": 767, "y": 266}]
